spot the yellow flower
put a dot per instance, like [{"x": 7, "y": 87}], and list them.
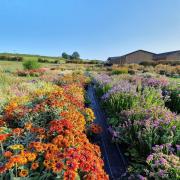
[
  {"x": 16, "y": 147},
  {"x": 31, "y": 156}
]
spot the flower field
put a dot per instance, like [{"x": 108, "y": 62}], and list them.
[
  {"x": 47, "y": 126},
  {"x": 43, "y": 125},
  {"x": 143, "y": 117}
]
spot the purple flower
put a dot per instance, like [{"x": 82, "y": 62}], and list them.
[
  {"x": 149, "y": 158},
  {"x": 123, "y": 86},
  {"x": 161, "y": 173},
  {"x": 162, "y": 161},
  {"x": 155, "y": 82},
  {"x": 178, "y": 147},
  {"x": 141, "y": 177}
]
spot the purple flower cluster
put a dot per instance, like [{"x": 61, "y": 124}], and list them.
[
  {"x": 123, "y": 86},
  {"x": 155, "y": 82},
  {"x": 162, "y": 161},
  {"x": 102, "y": 79}
]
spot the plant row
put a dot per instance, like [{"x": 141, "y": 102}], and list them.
[
  {"x": 43, "y": 134},
  {"x": 139, "y": 120}
]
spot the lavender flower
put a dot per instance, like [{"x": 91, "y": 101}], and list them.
[
  {"x": 123, "y": 86},
  {"x": 155, "y": 82}
]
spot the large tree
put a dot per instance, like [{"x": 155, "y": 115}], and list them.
[
  {"x": 75, "y": 55},
  {"x": 65, "y": 55}
]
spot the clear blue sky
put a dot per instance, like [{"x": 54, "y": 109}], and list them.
[{"x": 95, "y": 28}]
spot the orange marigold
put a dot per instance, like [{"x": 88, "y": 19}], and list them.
[
  {"x": 23, "y": 173},
  {"x": 7, "y": 154},
  {"x": 34, "y": 165},
  {"x": 70, "y": 175}
]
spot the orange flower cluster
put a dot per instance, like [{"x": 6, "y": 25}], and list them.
[
  {"x": 58, "y": 147},
  {"x": 95, "y": 128}
]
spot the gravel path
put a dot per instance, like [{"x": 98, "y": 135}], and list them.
[{"x": 115, "y": 163}]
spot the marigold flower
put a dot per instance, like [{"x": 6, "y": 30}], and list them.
[
  {"x": 9, "y": 165},
  {"x": 57, "y": 167},
  {"x": 3, "y": 137},
  {"x": 23, "y": 173},
  {"x": 34, "y": 165},
  {"x": 72, "y": 165},
  {"x": 28, "y": 126},
  {"x": 7, "y": 154},
  {"x": 69, "y": 175},
  {"x": 31, "y": 156},
  {"x": 17, "y": 131}
]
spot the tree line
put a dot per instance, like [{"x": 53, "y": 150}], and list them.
[{"x": 74, "y": 55}]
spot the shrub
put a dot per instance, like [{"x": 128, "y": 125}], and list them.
[
  {"x": 151, "y": 97},
  {"x": 42, "y": 60},
  {"x": 126, "y": 95},
  {"x": 135, "y": 66},
  {"x": 148, "y": 63},
  {"x": 143, "y": 128},
  {"x": 120, "y": 97},
  {"x": 31, "y": 64},
  {"x": 167, "y": 69},
  {"x": 119, "y": 70},
  {"x": 11, "y": 58}
]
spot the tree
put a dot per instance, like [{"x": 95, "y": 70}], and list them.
[
  {"x": 65, "y": 55},
  {"x": 75, "y": 55}
]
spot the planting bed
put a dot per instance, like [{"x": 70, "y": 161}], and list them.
[
  {"x": 43, "y": 132},
  {"x": 140, "y": 121}
]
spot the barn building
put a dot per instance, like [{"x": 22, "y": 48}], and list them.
[{"x": 139, "y": 56}]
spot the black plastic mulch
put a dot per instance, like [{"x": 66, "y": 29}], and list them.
[{"x": 115, "y": 162}]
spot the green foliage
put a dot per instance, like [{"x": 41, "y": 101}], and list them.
[
  {"x": 65, "y": 55},
  {"x": 102, "y": 90},
  {"x": 121, "y": 101},
  {"x": 30, "y": 64},
  {"x": 75, "y": 55},
  {"x": 120, "y": 70},
  {"x": 151, "y": 97},
  {"x": 11, "y": 58},
  {"x": 174, "y": 102}
]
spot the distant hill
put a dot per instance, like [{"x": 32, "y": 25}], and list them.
[
  {"x": 29, "y": 56},
  {"x": 9, "y": 56}
]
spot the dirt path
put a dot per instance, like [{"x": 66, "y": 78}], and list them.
[{"x": 115, "y": 164}]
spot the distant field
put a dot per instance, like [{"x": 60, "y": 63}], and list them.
[
  {"x": 32, "y": 57},
  {"x": 14, "y": 65}
]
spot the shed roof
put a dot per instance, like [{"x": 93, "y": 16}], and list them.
[{"x": 140, "y": 50}]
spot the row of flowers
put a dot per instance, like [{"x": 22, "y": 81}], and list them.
[
  {"x": 139, "y": 120},
  {"x": 43, "y": 135}
]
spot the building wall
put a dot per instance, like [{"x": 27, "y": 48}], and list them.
[
  {"x": 133, "y": 58},
  {"x": 138, "y": 57},
  {"x": 143, "y": 56},
  {"x": 173, "y": 57}
]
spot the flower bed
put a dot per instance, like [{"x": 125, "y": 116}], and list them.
[
  {"x": 42, "y": 136},
  {"x": 138, "y": 119}
]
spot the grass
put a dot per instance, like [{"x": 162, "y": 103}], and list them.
[
  {"x": 31, "y": 57},
  {"x": 13, "y": 66}
]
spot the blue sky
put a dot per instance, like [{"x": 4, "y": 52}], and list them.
[{"x": 95, "y": 28}]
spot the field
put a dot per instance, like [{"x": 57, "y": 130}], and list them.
[{"x": 55, "y": 119}]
